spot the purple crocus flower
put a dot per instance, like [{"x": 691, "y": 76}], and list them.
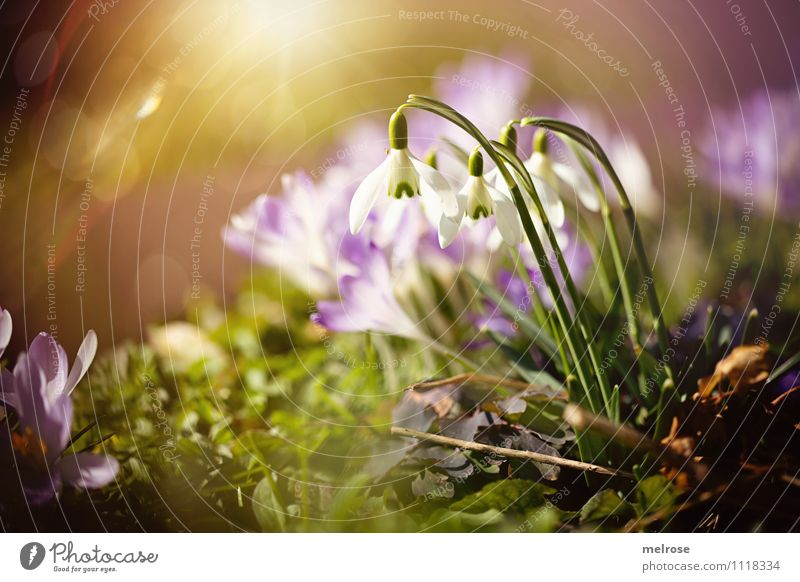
[
  {"x": 490, "y": 91},
  {"x": 302, "y": 233},
  {"x": 517, "y": 293},
  {"x": 368, "y": 302},
  {"x": 755, "y": 151},
  {"x": 39, "y": 391}
]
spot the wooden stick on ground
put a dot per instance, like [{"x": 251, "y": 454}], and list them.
[
  {"x": 487, "y": 380},
  {"x": 582, "y": 420},
  {"x": 510, "y": 453}
]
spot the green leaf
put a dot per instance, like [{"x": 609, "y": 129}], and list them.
[
  {"x": 350, "y": 498},
  {"x": 654, "y": 494},
  {"x": 267, "y": 508},
  {"x": 783, "y": 368},
  {"x": 508, "y": 495},
  {"x": 604, "y": 504}
]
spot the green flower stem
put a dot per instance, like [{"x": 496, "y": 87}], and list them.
[
  {"x": 577, "y": 301},
  {"x": 616, "y": 249},
  {"x": 542, "y": 317},
  {"x": 665, "y": 397},
  {"x": 562, "y": 312},
  {"x": 603, "y": 276},
  {"x": 590, "y": 143},
  {"x": 616, "y": 255}
]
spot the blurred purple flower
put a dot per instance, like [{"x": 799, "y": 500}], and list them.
[
  {"x": 756, "y": 150},
  {"x": 788, "y": 381},
  {"x": 368, "y": 302},
  {"x": 490, "y": 91},
  {"x": 517, "y": 293},
  {"x": 39, "y": 391},
  {"x": 302, "y": 233}
]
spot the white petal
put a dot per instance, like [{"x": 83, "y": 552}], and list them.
[
  {"x": 507, "y": 218},
  {"x": 578, "y": 182},
  {"x": 450, "y": 227},
  {"x": 495, "y": 178},
  {"x": 401, "y": 172},
  {"x": 478, "y": 195},
  {"x": 82, "y": 362},
  {"x": 366, "y": 195},
  {"x": 433, "y": 183},
  {"x": 551, "y": 202},
  {"x": 5, "y": 330},
  {"x": 448, "y": 230}
]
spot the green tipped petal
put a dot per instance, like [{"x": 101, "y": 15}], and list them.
[
  {"x": 402, "y": 189},
  {"x": 479, "y": 212}
]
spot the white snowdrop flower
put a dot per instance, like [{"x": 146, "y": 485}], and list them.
[
  {"x": 400, "y": 175},
  {"x": 478, "y": 199}
]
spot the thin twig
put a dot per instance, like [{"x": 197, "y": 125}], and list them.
[
  {"x": 582, "y": 419},
  {"x": 485, "y": 379},
  {"x": 783, "y": 396},
  {"x": 510, "y": 453},
  {"x": 790, "y": 480}
]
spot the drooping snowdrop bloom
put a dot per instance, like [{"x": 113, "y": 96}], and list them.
[
  {"x": 551, "y": 179},
  {"x": 39, "y": 391},
  {"x": 626, "y": 156},
  {"x": 555, "y": 180},
  {"x": 368, "y": 303},
  {"x": 479, "y": 200},
  {"x": 402, "y": 175}
]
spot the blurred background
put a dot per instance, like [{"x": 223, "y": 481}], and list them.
[{"x": 133, "y": 130}]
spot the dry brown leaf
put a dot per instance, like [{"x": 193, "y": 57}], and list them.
[
  {"x": 744, "y": 368},
  {"x": 437, "y": 400}
]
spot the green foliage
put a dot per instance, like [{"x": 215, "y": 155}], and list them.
[
  {"x": 604, "y": 505},
  {"x": 508, "y": 495},
  {"x": 655, "y": 494}
]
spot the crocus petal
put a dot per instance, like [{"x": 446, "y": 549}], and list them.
[
  {"x": 48, "y": 355},
  {"x": 366, "y": 195},
  {"x": 82, "y": 362},
  {"x": 5, "y": 330},
  {"x": 508, "y": 221},
  {"x": 368, "y": 303},
  {"x": 434, "y": 184},
  {"x": 48, "y": 416},
  {"x": 580, "y": 184},
  {"x": 87, "y": 470}
]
